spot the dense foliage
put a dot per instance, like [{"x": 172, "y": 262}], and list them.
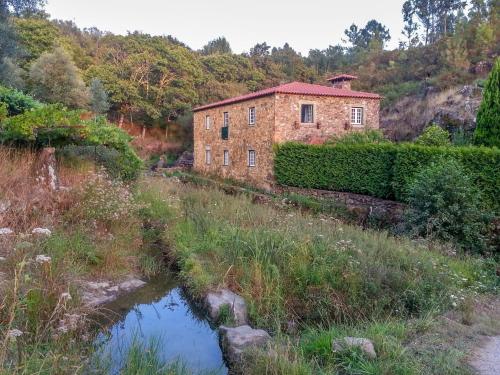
[
  {"x": 55, "y": 125},
  {"x": 155, "y": 79},
  {"x": 17, "y": 102},
  {"x": 488, "y": 118},
  {"x": 434, "y": 135},
  {"x": 383, "y": 170},
  {"x": 444, "y": 204}
]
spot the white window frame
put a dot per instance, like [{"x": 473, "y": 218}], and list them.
[
  {"x": 207, "y": 122},
  {"x": 208, "y": 156},
  {"x": 252, "y": 158},
  {"x": 225, "y": 121},
  {"x": 225, "y": 158},
  {"x": 252, "y": 116},
  {"x": 313, "y": 110},
  {"x": 357, "y": 116}
]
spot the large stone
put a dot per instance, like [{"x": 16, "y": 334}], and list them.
[
  {"x": 348, "y": 343},
  {"x": 216, "y": 300},
  {"x": 236, "y": 340}
]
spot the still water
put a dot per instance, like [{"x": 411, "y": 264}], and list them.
[{"x": 160, "y": 311}]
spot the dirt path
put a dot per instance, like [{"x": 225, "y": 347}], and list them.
[{"x": 486, "y": 359}]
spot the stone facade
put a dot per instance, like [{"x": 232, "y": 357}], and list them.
[
  {"x": 277, "y": 120},
  {"x": 332, "y": 117}
]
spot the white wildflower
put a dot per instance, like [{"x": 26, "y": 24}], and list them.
[
  {"x": 43, "y": 259},
  {"x": 6, "y": 231},
  {"x": 13, "y": 333},
  {"x": 41, "y": 232}
]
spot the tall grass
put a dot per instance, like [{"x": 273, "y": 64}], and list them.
[{"x": 295, "y": 267}]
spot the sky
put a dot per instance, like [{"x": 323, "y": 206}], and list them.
[{"x": 305, "y": 25}]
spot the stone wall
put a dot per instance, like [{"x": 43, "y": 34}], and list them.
[
  {"x": 242, "y": 137},
  {"x": 364, "y": 207},
  {"x": 332, "y": 116}
]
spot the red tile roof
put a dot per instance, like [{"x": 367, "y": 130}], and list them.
[
  {"x": 342, "y": 77},
  {"x": 297, "y": 88}
]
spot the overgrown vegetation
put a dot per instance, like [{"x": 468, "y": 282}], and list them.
[
  {"x": 298, "y": 270},
  {"x": 445, "y": 205}
]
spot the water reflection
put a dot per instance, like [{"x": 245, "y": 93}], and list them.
[{"x": 160, "y": 311}]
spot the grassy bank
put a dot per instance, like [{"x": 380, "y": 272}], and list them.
[
  {"x": 312, "y": 279},
  {"x": 97, "y": 234}
]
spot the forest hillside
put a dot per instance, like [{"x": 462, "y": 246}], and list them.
[{"x": 156, "y": 80}]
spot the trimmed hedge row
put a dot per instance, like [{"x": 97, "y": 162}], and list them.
[{"x": 381, "y": 170}]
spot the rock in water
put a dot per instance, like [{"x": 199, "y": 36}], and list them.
[
  {"x": 236, "y": 340},
  {"x": 216, "y": 300},
  {"x": 347, "y": 343}
]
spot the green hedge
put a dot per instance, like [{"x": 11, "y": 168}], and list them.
[{"x": 381, "y": 170}]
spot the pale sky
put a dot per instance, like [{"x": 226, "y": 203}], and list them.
[{"x": 303, "y": 24}]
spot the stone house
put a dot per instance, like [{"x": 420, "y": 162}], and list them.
[{"x": 234, "y": 138}]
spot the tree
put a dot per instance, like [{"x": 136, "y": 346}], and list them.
[
  {"x": 219, "y": 45},
  {"x": 260, "y": 50},
  {"x": 410, "y": 30},
  {"x": 11, "y": 74},
  {"x": 487, "y": 131},
  {"x": 98, "y": 97},
  {"x": 56, "y": 79},
  {"x": 374, "y": 33}
]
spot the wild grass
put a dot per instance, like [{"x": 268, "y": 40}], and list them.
[
  {"x": 24, "y": 204},
  {"x": 327, "y": 278},
  {"x": 315, "y": 271},
  {"x": 96, "y": 232}
]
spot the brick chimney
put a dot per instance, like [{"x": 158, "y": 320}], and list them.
[{"x": 342, "y": 81}]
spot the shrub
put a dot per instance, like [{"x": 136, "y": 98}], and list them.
[
  {"x": 357, "y": 168},
  {"x": 382, "y": 170},
  {"x": 445, "y": 205},
  {"x": 488, "y": 117},
  {"x": 481, "y": 164},
  {"x": 434, "y": 135},
  {"x": 367, "y": 136},
  {"x": 55, "y": 125},
  {"x": 16, "y": 101}
]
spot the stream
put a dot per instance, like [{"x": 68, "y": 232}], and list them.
[{"x": 160, "y": 312}]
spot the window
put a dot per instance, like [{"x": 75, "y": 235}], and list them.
[
  {"x": 251, "y": 116},
  {"x": 357, "y": 116},
  {"x": 226, "y": 119},
  {"x": 208, "y": 156},
  {"x": 226, "y": 157},
  {"x": 251, "y": 158},
  {"x": 307, "y": 113},
  {"x": 207, "y": 122}
]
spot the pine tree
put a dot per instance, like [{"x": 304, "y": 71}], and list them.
[{"x": 488, "y": 117}]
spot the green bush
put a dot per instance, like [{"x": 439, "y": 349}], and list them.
[
  {"x": 55, "y": 125},
  {"x": 382, "y": 170},
  {"x": 367, "y": 136},
  {"x": 16, "y": 101},
  {"x": 434, "y": 135},
  {"x": 357, "y": 168},
  {"x": 480, "y": 163},
  {"x": 445, "y": 205}
]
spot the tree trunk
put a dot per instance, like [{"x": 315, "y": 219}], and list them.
[
  {"x": 143, "y": 132},
  {"x": 166, "y": 132},
  {"x": 120, "y": 122}
]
